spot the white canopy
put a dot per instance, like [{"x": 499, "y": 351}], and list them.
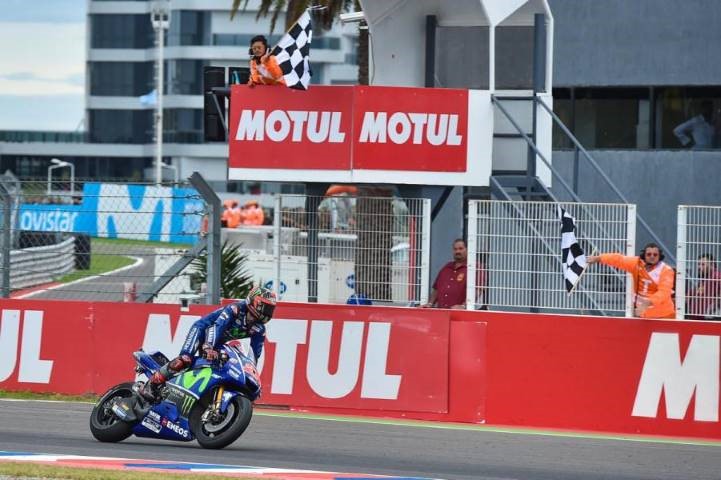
[{"x": 398, "y": 32}]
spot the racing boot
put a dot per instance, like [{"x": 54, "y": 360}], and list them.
[{"x": 151, "y": 390}]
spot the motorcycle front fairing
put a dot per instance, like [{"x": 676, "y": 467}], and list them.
[{"x": 162, "y": 421}]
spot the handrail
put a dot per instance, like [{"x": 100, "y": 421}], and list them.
[
  {"x": 530, "y": 143},
  {"x": 605, "y": 177},
  {"x": 497, "y": 102}
]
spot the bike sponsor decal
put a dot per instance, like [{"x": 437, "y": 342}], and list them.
[
  {"x": 151, "y": 424},
  {"x": 189, "y": 379},
  {"x": 154, "y": 415},
  {"x": 175, "y": 428},
  {"x": 187, "y": 404}
]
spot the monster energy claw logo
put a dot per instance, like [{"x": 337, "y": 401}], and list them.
[{"x": 187, "y": 404}]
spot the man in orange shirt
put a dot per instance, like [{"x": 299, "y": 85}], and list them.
[
  {"x": 264, "y": 68},
  {"x": 653, "y": 280}
]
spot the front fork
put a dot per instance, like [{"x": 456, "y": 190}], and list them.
[{"x": 214, "y": 413}]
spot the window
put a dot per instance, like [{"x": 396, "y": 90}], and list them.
[
  {"x": 688, "y": 117},
  {"x": 183, "y": 125},
  {"x": 604, "y": 117},
  {"x": 186, "y": 77},
  {"x": 612, "y": 117},
  {"x": 563, "y": 108},
  {"x": 121, "y": 126},
  {"x": 121, "y": 31},
  {"x": 677, "y": 117},
  {"x": 121, "y": 78},
  {"x": 189, "y": 27}
]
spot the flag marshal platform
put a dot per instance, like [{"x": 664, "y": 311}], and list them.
[{"x": 361, "y": 134}]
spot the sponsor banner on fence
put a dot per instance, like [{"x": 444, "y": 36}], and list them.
[
  {"x": 140, "y": 212},
  {"x": 657, "y": 377},
  {"x": 365, "y": 358},
  {"x": 604, "y": 374}
]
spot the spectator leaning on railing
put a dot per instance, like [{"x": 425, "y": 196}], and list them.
[
  {"x": 449, "y": 288},
  {"x": 703, "y": 300},
  {"x": 652, "y": 280}
]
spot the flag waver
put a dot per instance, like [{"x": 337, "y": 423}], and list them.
[
  {"x": 572, "y": 256},
  {"x": 293, "y": 51}
]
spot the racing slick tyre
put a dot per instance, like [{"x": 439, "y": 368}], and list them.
[
  {"x": 220, "y": 430},
  {"x": 104, "y": 424}
]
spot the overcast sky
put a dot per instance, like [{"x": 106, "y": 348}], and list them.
[{"x": 42, "y": 64}]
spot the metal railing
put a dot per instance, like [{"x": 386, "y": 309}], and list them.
[
  {"x": 108, "y": 241},
  {"x": 698, "y": 250},
  {"x": 577, "y": 145},
  {"x": 515, "y": 250},
  {"x": 341, "y": 249}
]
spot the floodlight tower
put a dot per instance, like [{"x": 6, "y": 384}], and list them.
[{"x": 160, "y": 18}]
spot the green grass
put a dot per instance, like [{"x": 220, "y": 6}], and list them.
[
  {"x": 106, "y": 262},
  {"x": 22, "y": 469},
  {"x": 114, "y": 242},
  {"x": 25, "y": 395},
  {"x": 99, "y": 263}
]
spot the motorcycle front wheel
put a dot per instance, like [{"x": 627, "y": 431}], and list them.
[
  {"x": 104, "y": 424},
  {"x": 221, "y": 430}
]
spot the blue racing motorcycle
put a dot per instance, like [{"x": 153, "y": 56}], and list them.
[{"x": 210, "y": 402}]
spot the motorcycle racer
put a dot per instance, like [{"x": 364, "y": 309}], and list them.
[{"x": 243, "y": 319}]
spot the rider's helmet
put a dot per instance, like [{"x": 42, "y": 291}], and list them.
[{"x": 261, "y": 304}]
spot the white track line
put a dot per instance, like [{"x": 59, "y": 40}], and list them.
[{"x": 138, "y": 261}]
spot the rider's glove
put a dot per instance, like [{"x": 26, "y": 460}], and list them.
[{"x": 210, "y": 353}]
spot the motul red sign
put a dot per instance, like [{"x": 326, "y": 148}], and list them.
[{"x": 360, "y": 134}]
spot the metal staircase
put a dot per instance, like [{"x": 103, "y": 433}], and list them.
[{"x": 512, "y": 187}]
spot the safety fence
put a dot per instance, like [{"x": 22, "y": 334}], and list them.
[
  {"x": 698, "y": 249},
  {"x": 341, "y": 249},
  {"x": 97, "y": 241},
  {"x": 515, "y": 250}
]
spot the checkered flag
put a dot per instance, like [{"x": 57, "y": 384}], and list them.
[
  {"x": 292, "y": 53},
  {"x": 572, "y": 256}
]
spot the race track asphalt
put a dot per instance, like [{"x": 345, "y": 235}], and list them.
[{"x": 345, "y": 445}]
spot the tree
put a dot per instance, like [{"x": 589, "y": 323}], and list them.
[{"x": 235, "y": 282}]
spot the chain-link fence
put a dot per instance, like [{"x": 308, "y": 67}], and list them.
[
  {"x": 98, "y": 241},
  {"x": 515, "y": 250},
  {"x": 698, "y": 249},
  {"x": 341, "y": 249}
]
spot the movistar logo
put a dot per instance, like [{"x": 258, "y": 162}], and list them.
[{"x": 191, "y": 378}]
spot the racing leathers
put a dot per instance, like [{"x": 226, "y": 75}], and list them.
[{"x": 224, "y": 324}]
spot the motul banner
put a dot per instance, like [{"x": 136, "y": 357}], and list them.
[
  {"x": 361, "y": 134},
  {"x": 315, "y": 356},
  {"x": 659, "y": 377}
]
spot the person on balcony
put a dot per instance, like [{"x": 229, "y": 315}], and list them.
[
  {"x": 653, "y": 280},
  {"x": 264, "y": 69}
]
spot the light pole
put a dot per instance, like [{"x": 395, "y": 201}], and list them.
[
  {"x": 57, "y": 163},
  {"x": 160, "y": 18}
]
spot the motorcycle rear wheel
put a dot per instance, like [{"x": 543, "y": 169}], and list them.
[
  {"x": 104, "y": 424},
  {"x": 221, "y": 432}
]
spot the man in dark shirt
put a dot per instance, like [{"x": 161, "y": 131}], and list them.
[{"x": 449, "y": 289}]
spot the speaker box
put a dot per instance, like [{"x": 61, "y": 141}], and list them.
[{"x": 212, "y": 115}]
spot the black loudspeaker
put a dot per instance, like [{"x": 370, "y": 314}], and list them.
[
  {"x": 238, "y": 75},
  {"x": 213, "y": 113}
]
